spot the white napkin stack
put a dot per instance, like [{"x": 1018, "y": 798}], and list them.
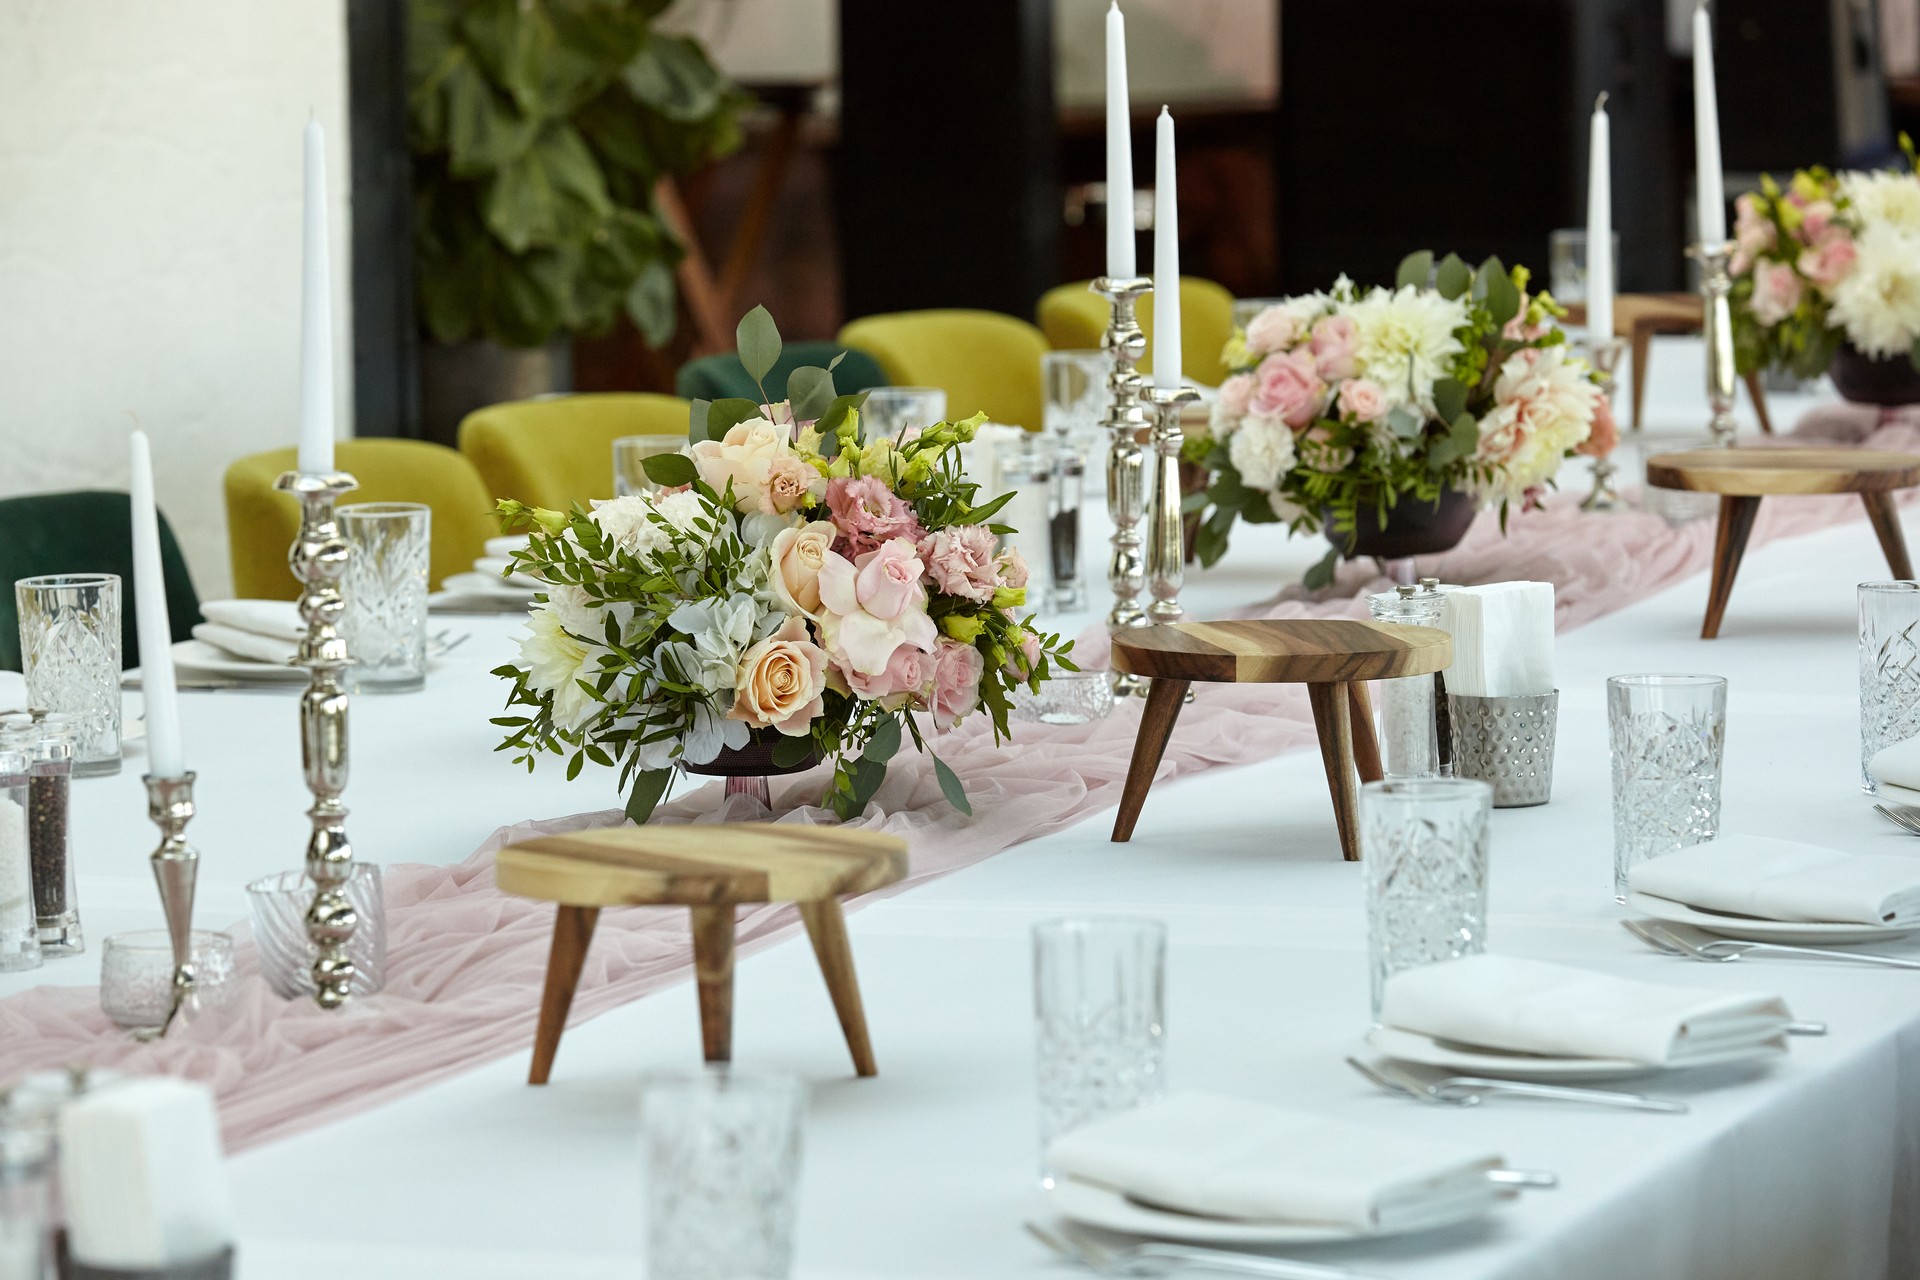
[
  {"x": 1529, "y": 1006},
  {"x": 267, "y": 631},
  {"x": 1226, "y": 1158},
  {"x": 1898, "y": 766},
  {"x": 1773, "y": 879},
  {"x": 1502, "y": 639},
  {"x": 142, "y": 1175}
]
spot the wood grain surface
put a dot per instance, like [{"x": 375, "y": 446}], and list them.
[
  {"x": 1761, "y": 473},
  {"x": 1282, "y": 651}
]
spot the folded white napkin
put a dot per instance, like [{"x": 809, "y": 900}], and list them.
[
  {"x": 1786, "y": 880},
  {"x": 279, "y": 619},
  {"x": 1502, "y": 639},
  {"x": 506, "y": 544},
  {"x": 1529, "y": 1006},
  {"x": 13, "y": 691},
  {"x": 246, "y": 644},
  {"x": 1898, "y": 764},
  {"x": 1226, "y": 1158}
]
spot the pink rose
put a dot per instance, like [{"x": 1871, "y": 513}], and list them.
[
  {"x": 1274, "y": 329},
  {"x": 888, "y": 582},
  {"x": 960, "y": 561},
  {"x": 908, "y": 674},
  {"x": 1603, "y": 435},
  {"x": 859, "y": 640},
  {"x": 1776, "y": 292},
  {"x": 1827, "y": 264},
  {"x": 1011, "y": 568},
  {"x": 1332, "y": 347},
  {"x": 867, "y": 513},
  {"x": 780, "y": 680},
  {"x": 1286, "y": 386},
  {"x": 957, "y": 669},
  {"x": 1363, "y": 399},
  {"x": 1235, "y": 392}
]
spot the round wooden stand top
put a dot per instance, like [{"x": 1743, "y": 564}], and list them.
[
  {"x": 700, "y": 865},
  {"x": 1764, "y": 473},
  {"x": 1282, "y": 651}
]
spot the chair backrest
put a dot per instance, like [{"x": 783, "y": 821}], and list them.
[
  {"x": 717, "y": 377},
  {"x": 558, "y": 450},
  {"x": 1074, "y": 316},
  {"x": 981, "y": 359},
  {"x": 86, "y": 531},
  {"x": 263, "y": 522}
]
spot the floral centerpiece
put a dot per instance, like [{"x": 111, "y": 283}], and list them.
[
  {"x": 792, "y": 582},
  {"x": 1826, "y": 261},
  {"x": 1343, "y": 405}
]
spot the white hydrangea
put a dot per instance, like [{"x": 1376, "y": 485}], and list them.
[
  {"x": 629, "y": 522},
  {"x": 1884, "y": 198},
  {"x": 1261, "y": 450},
  {"x": 1878, "y": 303},
  {"x": 1405, "y": 340},
  {"x": 556, "y": 662}
]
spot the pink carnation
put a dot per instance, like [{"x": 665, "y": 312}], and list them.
[
  {"x": 1288, "y": 387},
  {"x": 960, "y": 561},
  {"x": 867, "y": 513},
  {"x": 957, "y": 669},
  {"x": 1828, "y": 264},
  {"x": 1332, "y": 347},
  {"x": 1604, "y": 435},
  {"x": 1012, "y": 568}
]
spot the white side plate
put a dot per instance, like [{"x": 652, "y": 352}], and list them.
[
  {"x": 1102, "y": 1207},
  {"x": 1411, "y": 1046},
  {"x": 1803, "y": 933}
]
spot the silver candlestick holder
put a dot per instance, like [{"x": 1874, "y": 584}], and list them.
[
  {"x": 319, "y": 560},
  {"x": 1717, "y": 328},
  {"x": 176, "y": 869},
  {"x": 1128, "y": 421},
  {"x": 1606, "y": 362},
  {"x": 1166, "y": 531}
]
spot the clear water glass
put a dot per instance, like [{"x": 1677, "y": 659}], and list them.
[
  {"x": 1405, "y": 708},
  {"x": 385, "y": 621},
  {"x": 1667, "y": 735},
  {"x": 1075, "y": 381},
  {"x": 630, "y": 454},
  {"x": 888, "y": 411},
  {"x": 279, "y": 904},
  {"x": 1567, "y": 263},
  {"x": 1099, "y": 1000},
  {"x": 70, "y": 650},
  {"x": 1889, "y": 669},
  {"x": 136, "y": 975},
  {"x": 722, "y": 1153},
  {"x": 1423, "y": 854}
]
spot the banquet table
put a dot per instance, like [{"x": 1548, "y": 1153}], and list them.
[{"x": 1808, "y": 1169}]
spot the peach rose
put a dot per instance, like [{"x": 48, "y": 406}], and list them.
[
  {"x": 744, "y": 456},
  {"x": 780, "y": 680},
  {"x": 1274, "y": 329},
  {"x": 798, "y": 556},
  {"x": 1604, "y": 435},
  {"x": 1363, "y": 399}
]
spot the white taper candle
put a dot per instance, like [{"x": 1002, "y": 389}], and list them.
[
  {"x": 1600, "y": 284},
  {"x": 151, "y": 624},
  {"x": 1166, "y": 258},
  {"x": 316, "y": 314},
  {"x": 1120, "y": 263},
  {"x": 1711, "y": 193}
]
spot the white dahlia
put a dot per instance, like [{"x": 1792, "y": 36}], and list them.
[
  {"x": 1406, "y": 340},
  {"x": 1884, "y": 198},
  {"x": 1261, "y": 450},
  {"x": 1878, "y": 303}
]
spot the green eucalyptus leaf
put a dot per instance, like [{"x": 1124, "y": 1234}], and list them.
[
  {"x": 867, "y": 777},
  {"x": 1449, "y": 398},
  {"x": 758, "y": 340},
  {"x": 1321, "y": 574},
  {"x": 884, "y": 742},
  {"x": 648, "y": 786},
  {"x": 792, "y": 750},
  {"x": 697, "y": 420},
  {"x": 670, "y": 469},
  {"x": 1465, "y": 434},
  {"x": 810, "y": 391},
  {"x": 950, "y": 786},
  {"x": 724, "y": 413},
  {"x": 1495, "y": 287},
  {"x": 1405, "y": 422},
  {"x": 1416, "y": 269},
  {"x": 835, "y": 362},
  {"x": 1454, "y": 277}
]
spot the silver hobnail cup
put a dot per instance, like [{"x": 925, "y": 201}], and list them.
[{"x": 1507, "y": 742}]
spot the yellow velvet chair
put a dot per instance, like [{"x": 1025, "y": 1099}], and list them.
[
  {"x": 1073, "y": 316},
  {"x": 558, "y": 450},
  {"x": 981, "y": 359},
  {"x": 262, "y": 522}
]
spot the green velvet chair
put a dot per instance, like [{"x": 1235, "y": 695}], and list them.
[
  {"x": 262, "y": 522},
  {"x": 87, "y": 531},
  {"x": 1074, "y": 316},
  {"x": 983, "y": 360},
  {"x": 558, "y": 450},
  {"x": 717, "y": 377}
]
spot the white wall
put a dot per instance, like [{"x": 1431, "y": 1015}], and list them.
[{"x": 150, "y": 241}]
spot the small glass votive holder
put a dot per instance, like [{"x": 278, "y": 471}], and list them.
[
  {"x": 1889, "y": 669},
  {"x": 1099, "y": 1003},
  {"x": 1066, "y": 697},
  {"x": 722, "y": 1154},
  {"x": 70, "y": 654},
  {"x": 1506, "y": 743},
  {"x": 1423, "y": 855},
  {"x": 887, "y": 411},
  {"x": 1567, "y": 263},
  {"x": 136, "y": 975},
  {"x": 630, "y": 454},
  {"x": 279, "y": 906},
  {"x": 385, "y": 620},
  {"x": 1667, "y": 734}
]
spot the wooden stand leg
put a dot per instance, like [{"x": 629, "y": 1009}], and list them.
[
  {"x": 1642, "y": 346},
  {"x": 827, "y": 929},
  {"x": 1330, "y": 719},
  {"x": 1729, "y": 544},
  {"x": 1885, "y": 514},
  {"x": 713, "y": 971},
  {"x": 1757, "y": 392},
  {"x": 1164, "y": 699},
  {"x": 572, "y": 932},
  {"x": 1366, "y": 748}
]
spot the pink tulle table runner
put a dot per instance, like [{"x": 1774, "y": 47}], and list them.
[{"x": 465, "y": 962}]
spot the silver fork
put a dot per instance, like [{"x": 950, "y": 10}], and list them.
[
  {"x": 1157, "y": 1259},
  {"x": 1471, "y": 1091},
  {"x": 1728, "y": 950},
  {"x": 1900, "y": 816}
]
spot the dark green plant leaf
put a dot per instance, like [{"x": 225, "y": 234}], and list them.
[
  {"x": 551, "y": 192},
  {"x": 884, "y": 742},
  {"x": 810, "y": 390},
  {"x": 1416, "y": 269},
  {"x": 1321, "y": 574},
  {"x": 650, "y": 303},
  {"x": 670, "y": 469},
  {"x": 951, "y": 787},
  {"x": 1454, "y": 277},
  {"x": 648, "y": 786},
  {"x": 672, "y": 75},
  {"x": 727, "y": 411},
  {"x": 1449, "y": 399},
  {"x": 867, "y": 777},
  {"x": 758, "y": 340}
]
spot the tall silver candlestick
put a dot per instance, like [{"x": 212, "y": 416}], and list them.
[
  {"x": 176, "y": 868},
  {"x": 1166, "y": 531},
  {"x": 1128, "y": 420},
  {"x": 1606, "y": 360},
  {"x": 1717, "y": 325},
  {"x": 319, "y": 559}
]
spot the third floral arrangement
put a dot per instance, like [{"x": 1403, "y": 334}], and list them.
[
  {"x": 1364, "y": 398},
  {"x": 1826, "y": 260}
]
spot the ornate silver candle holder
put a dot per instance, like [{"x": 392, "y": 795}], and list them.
[
  {"x": 1717, "y": 328},
  {"x": 1166, "y": 533},
  {"x": 1606, "y": 360},
  {"x": 176, "y": 869},
  {"x": 1128, "y": 421},
  {"x": 319, "y": 560}
]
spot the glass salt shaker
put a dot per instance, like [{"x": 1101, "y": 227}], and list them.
[
  {"x": 1409, "y": 732},
  {"x": 19, "y": 930},
  {"x": 48, "y": 741},
  {"x": 1067, "y": 589}
]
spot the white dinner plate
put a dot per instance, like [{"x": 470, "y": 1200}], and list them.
[
  {"x": 1412, "y": 1046},
  {"x": 1752, "y": 929},
  {"x": 1895, "y": 792},
  {"x": 197, "y": 657},
  {"x": 1108, "y": 1209},
  {"x": 485, "y": 584}
]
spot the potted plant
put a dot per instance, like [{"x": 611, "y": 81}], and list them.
[
  {"x": 539, "y": 129},
  {"x": 1385, "y": 417}
]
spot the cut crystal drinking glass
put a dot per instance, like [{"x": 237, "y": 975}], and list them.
[
  {"x": 1889, "y": 668},
  {"x": 1668, "y": 735},
  {"x": 385, "y": 622},
  {"x": 1423, "y": 851},
  {"x": 1068, "y": 697},
  {"x": 70, "y": 651}
]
